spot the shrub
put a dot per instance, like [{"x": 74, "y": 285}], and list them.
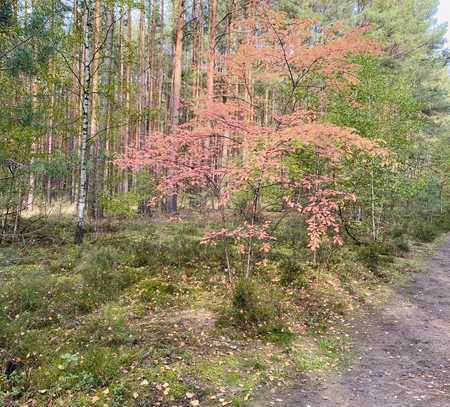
[
  {"x": 401, "y": 245},
  {"x": 242, "y": 206},
  {"x": 27, "y": 292},
  {"x": 280, "y": 335},
  {"x": 293, "y": 272},
  {"x": 293, "y": 233},
  {"x": 184, "y": 247},
  {"x": 183, "y": 251},
  {"x": 151, "y": 254},
  {"x": 374, "y": 255},
  {"x": 369, "y": 256},
  {"x": 398, "y": 231},
  {"x": 66, "y": 262},
  {"x": 423, "y": 231},
  {"x": 53, "y": 230},
  {"x": 103, "y": 274},
  {"x": 177, "y": 251},
  {"x": 442, "y": 222},
  {"x": 36, "y": 299},
  {"x": 256, "y": 309},
  {"x": 122, "y": 206}
]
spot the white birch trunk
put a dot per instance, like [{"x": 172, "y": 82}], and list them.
[{"x": 85, "y": 130}]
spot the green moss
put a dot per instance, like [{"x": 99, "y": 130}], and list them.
[
  {"x": 152, "y": 290},
  {"x": 170, "y": 381},
  {"x": 94, "y": 367},
  {"x": 324, "y": 353},
  {"x": 238, "y": 374},
  {"x": 108, "y": 327}
]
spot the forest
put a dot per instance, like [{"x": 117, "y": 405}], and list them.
[{"x": 198, "y": 198}]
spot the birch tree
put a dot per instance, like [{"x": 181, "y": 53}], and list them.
[{"x": 88, "y": 9}]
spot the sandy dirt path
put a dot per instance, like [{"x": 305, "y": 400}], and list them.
[{"x": 405, "y": 355}]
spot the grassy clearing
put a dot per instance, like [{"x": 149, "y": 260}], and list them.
[{"x": 144, "y": 315}]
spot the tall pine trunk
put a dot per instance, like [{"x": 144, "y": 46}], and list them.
[
  {"x": 176, "y": 85},
  {"x": 212, "y": 48},
  {"x": 105, "y": 135}
]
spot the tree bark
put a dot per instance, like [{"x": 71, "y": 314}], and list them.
[
  {"x": 141, "y": 80},
  {"x": 93, "y": 151},
  {"x": 103, "y": 138},
  {"x": 176, "y": 86},
  {"x": 88, "y": 6},
  {"x": 212, "y": 48}
]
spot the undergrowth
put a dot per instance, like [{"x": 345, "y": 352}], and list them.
[{"x": 147, "y": 314}]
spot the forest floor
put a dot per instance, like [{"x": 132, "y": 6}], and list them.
[
  {"x": 141, "y": 316},
  {"x": 404, "y": 352}
]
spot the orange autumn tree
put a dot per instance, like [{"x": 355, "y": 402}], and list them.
[{"x": 235, "y": 143}]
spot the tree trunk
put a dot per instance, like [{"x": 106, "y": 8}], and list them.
[
  {"x": 153, "y": 64},
  {"x": 50, "y": 129},
  {"x": 85, "y": 131},
  {"x": 176, "y": 86},
  {"x": 93, "y": 151},
  {"x": 212, "y": 48},
  {"x": 106, "y": 108},
  {"x": 32, "y": 180},
  {"x": 141, "y": 80}
]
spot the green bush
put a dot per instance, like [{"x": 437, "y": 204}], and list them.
[
  {"x": 442, "y": 222},
  {"x": 255, "y": 308},
  {"x": 33, "y": 345},
  {"x": 374, "y": 256},
  {"x": 293, "y": 233},
  {"x": 368, "y": 255},
  {"x": 122, "y": 206},
  {"x": 51, "y": 230},
  {"x": 242, "y": 206},
  {"x": 181, "y": 249},
  {"x": 104, "y": 275},
  {"x": 185, "y": 250},
  {"x": 423, "y": 231},
  {"x": 37, "y": 299},
  {"x": 398, "y": 231},
  {"x": 27, "y": 292},
  {"x": 293, "y": 272},
  {"x": 401, "y": 245},
  {"x": 150, "y": 254},
  {"x": 66, "y": 262}
]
